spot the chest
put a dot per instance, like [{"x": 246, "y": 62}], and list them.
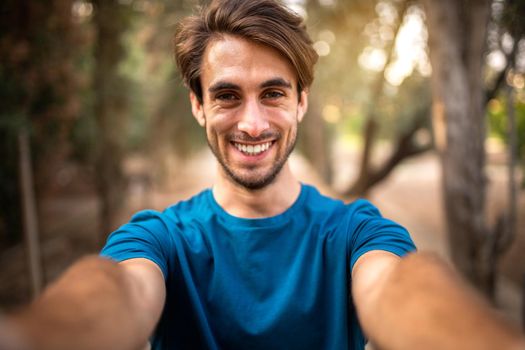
[{"x": 262, "y": 284}]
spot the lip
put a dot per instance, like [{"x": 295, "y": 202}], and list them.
[
  {"x": 247, "y": 158},
  {"x": 256, "y": 142}
]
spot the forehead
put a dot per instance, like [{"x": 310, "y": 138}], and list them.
[{"x": 243, "y": 62}]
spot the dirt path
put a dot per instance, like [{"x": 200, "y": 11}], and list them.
[{"x": 410, "y": 196}]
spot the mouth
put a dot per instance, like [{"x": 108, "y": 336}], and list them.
[{"x": 252, "y": 149}]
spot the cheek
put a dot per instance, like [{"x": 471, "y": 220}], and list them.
[
  {"x": 221, "y": 123},
  {"x": 285, "y": 121},
  {"x": 215, "y": 132}
]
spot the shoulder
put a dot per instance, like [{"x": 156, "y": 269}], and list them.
[
  {"x": 362, "y": 208},
  {"x": 156, "y": 225},
  {"x": 152, "y": 234},
  {"x": 318, "y": 202},
  {"x": 171, "y": 217},
  {"x": 368, "y": 231},
  {"x": 189, "y": 208}
]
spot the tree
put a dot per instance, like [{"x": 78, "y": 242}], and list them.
[
  {"x": 329, "y": 26},
  {"x": 111, "y": 19},
  {"x": 508, "y": 22},
  {"x": 38, "y": 82},
  {"x": 404, "y": 143},
  {"x": 314, "y": 140},
  {"x": 172, "y": 133},
  {"x": 457, "y": 38}
]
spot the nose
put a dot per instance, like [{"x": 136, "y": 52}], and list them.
[{"x": 253, "y": 119}]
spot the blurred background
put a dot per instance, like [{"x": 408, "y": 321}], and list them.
[{"x": 417, "y": 105}]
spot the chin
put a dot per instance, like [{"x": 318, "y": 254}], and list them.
[{"x": 253, "y": 181}]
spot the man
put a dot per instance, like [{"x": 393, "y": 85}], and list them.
[{"x": 260, "y": 261}]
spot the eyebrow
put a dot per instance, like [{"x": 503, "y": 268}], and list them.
[
  {"x": 276, "y": 82},
  {"x": 222, "y": 85}
]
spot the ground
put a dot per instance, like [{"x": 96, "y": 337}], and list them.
[{"x": 410, "y": 196}]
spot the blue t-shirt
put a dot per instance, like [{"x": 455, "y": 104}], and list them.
[{"x": 281, "y": 282}]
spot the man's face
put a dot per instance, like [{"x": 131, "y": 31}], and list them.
[{"x": 250, "y": 109}]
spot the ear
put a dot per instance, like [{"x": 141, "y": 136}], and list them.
[
  {"x": 302, "y": 106},
  {"x": 197, "y": 109}
]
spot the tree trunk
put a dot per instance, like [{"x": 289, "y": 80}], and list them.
[
  {"x": 315, "y": 141},
  {"x": 29, "y": 211},
  {"x": 110, "y": 111},
  {"x": 457, "y": 35},
  {"x": 512, "y": 152}
]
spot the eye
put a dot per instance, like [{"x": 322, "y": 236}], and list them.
[
  {"x": 272, "y": 94},
  {"x": 226, "y": 96}
]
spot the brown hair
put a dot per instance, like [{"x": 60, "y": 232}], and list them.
[{"x": 267, "y": 22}]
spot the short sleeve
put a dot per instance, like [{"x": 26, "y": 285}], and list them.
[
  {"x": 368, "y": 230},
  {"x": 145, "y": 236}
]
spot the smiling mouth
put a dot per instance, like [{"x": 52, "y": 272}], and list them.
[{"x": 252, "y": 150}]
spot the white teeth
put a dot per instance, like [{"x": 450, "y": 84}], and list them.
[{"x": 253, "y": 149}]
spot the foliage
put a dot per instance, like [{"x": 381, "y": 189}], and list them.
[
  {"x": 397, "y": 110},
  {"x": 350, "y": 28},
  {"x": 159, "y": 114},
  {"x": 339, "y": 80},
  {"x": 498, "y": 119},
  {"x": 48, "y": 59},
  {"x": 38, "y": 87}
]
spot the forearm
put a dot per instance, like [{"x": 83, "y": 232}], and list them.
[
  {"x": 423, "y": 304},
  {"x": 92, "y": 306}
]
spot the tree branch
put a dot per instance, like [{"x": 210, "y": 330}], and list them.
[
  {"x": 370, "y": 127},
  {"x": 510, "y": 58},
  {"x": 405, "y": 148}
]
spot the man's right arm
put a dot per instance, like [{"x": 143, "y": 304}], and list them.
[{"x": 95, "y": 304}]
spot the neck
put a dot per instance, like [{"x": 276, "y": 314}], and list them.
[{"x": 269, "y": 201}]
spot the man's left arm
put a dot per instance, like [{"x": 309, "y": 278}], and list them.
[{"x": 419, "y": 302}]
